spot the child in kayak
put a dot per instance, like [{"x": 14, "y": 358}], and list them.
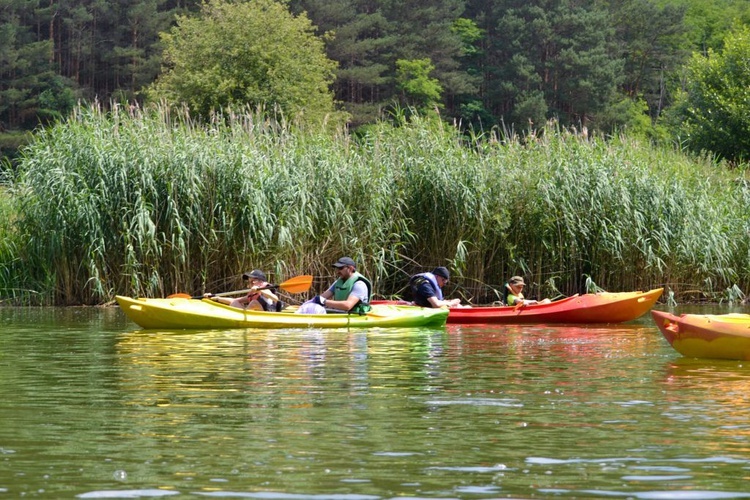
[{"x": 513, "y": 293}]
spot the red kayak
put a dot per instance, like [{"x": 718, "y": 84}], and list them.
[{"x": 604, "y": 307}]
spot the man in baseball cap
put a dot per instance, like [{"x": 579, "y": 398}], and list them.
[
  {"x": 345, "y": 262},
  {"x": 427, "y": 288},
  {"x": 350, "y": 293}
]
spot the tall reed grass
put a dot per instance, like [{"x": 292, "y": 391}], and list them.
[{"x": 148, "y": 202}]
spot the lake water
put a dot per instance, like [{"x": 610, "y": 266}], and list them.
[{"x": 91, "y": 406}]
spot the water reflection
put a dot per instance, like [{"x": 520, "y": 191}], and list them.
[
  {"x": 97, "y": 409},
  {"x": 155, "y": 363},
  {"x": 714, "y": 394}
]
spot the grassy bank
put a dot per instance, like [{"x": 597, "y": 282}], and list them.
[{"x": 147, "y": 203}]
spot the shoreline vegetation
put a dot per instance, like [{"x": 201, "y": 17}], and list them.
[{"x": 148, "y": 202}]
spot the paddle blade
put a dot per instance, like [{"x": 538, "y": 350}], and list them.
[{"x": 298, "y": 284}]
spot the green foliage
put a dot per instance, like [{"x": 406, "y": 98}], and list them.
[
  {"x": 627, "y": 115},
  {"x": 714, "y": 111},
  {"x": 54, "y": 53},
  {"x": 30, "y": 91},
  {"x": 654, "y": 43},
  {"x": 709, "y": 21},
  {"x": 495, "y": 61},
  {"x": 10, "y": 143},
  {"x": 414, "y": 80},
  {"x": 427, "y": 30},
  {"x": 470, "y": 34},
  {"x": 12, "y": 274},
  {"x": 246, "y": 53},
  {"x": 364, "y": 42},
  {"x": 530, "y": 109},
  {"x": 57, "y": 100},
  {"x": 555, "y": 58},
  {"x": 369, "y": 37},
  {"x": 473, "y": 114},
  {"x": 150, "y": 203}
]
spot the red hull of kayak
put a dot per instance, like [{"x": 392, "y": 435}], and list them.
[{"x": 590, "y": 308}]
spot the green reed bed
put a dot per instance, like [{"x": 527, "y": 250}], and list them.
[
  {"x": 147, "y": 202},
  {"x": 626, "y": 215}
]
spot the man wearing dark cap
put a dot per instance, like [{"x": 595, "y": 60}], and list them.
[
  {"x": 427, "y": 288},
  {"x": 259, "y": 297},
  {"x": 350, "y": 293}
]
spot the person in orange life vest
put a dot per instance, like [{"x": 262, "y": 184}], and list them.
[{"x": 257, "y": 299}]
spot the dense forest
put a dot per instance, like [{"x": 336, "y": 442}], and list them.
[{"x": 482, "y": 63}]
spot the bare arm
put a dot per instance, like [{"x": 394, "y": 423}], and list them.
[
  {"x": 436, "y": 303},
  {"x": 341, "y": 305}
]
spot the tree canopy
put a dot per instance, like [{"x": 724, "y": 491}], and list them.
[
  {"x": 246, "y": 53},
  {"x": 609, "y": 65},
  {"x": 714, "y": 110}
]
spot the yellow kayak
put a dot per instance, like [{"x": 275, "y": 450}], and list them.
[
  {"x": 183, "y": 313},
  {"x": 718, "y": 336}
]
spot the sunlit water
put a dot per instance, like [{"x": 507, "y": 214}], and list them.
[{"x": 93, "y": 407}]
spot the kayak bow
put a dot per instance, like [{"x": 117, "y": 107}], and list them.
[{"x": 716, "y": 336}]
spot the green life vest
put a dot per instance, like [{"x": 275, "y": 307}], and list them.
[
  {"x": 511, "y": 300},
  {"x": 509, "y": 297},
  {"x": 342, "y": 289}
]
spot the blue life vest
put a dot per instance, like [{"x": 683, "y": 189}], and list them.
[{"x": 418, "y": 279}]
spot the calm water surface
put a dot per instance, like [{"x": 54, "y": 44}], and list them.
[{"x": 93, "y": 407}]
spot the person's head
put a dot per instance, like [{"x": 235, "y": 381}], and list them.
[
  {"x": 254, "y": 277},
  {"x": 442, "y": 275},
  {"x": 516, "y": 284},
  {"x": 345, "y": 267}
]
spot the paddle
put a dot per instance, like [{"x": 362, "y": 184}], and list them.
[{"x": 298, "y": 284}]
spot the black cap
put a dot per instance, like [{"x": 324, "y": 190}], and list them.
[
  {"x": 442, "y": 272},
  {"x": 344, "y": 261},
  {"x": 256, "y": 274}
]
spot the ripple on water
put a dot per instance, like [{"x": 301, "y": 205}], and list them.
[
  {"x": 418, "y": 412},
  {"x": 148, "y": 493},
  {"x": 670, "y": 495},
  {"x": 495, "y": 468},
  {"x": 273, "y": 495},
  {"x": 510, "y": 403}
]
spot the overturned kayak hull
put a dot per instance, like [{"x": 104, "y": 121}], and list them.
[
  {"x": 715, "y": 336},
  {"x": 182, "y": 313}
]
